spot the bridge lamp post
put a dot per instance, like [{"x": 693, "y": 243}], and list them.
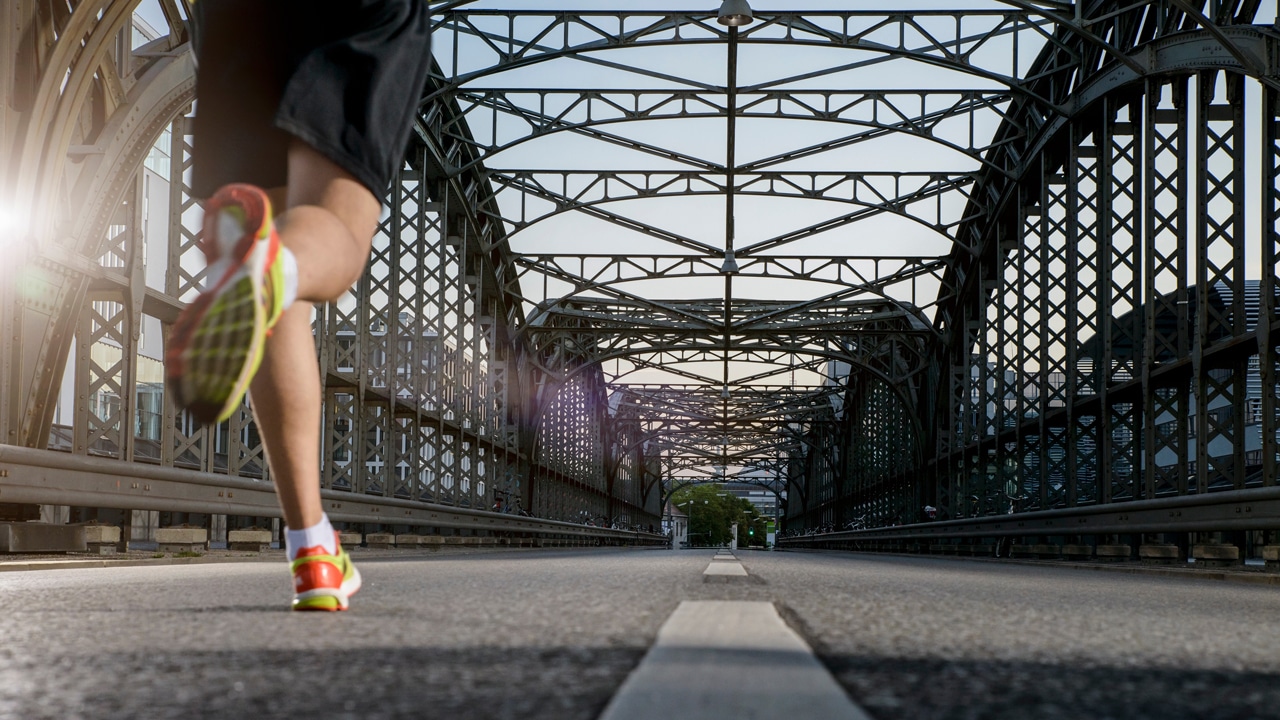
[
  {"x": 733, "y": 14},
  {"x": 690, "y": 504},
  {"x": 688, "y": 530}
]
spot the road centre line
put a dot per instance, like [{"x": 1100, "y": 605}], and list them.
[
  {"x": 733, "y": 569},
  {"x": 723, "y": 660}
]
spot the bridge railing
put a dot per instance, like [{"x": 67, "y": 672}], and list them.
[
  {"x": 29, "y": 476},
  {"x": 1215, "y": 512}
]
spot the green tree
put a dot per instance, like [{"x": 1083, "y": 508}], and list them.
[{"x": 712, "y": 512}]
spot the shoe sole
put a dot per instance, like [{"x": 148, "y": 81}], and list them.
[
  {"x": 320, "y": 600},
  {"x": 217, "y": 343}
]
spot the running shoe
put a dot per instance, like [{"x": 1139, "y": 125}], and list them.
[
  {"x": 217, "y": 342},
  {"x": 322, "y": 581}
]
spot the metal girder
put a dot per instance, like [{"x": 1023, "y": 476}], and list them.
[
  {"x": 914, "y": 196},
  {"x": 927, "y": 114},
  {"x": 936, "y": 37},
  {"x": 588, "y": 272}
]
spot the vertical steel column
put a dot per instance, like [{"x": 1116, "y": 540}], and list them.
[
  {"x": 1166, "y": 276},
  {"x": 104, "y": 351},
  {"x": 179, "y": 161},
  {"x": 135, "y": 271},
  {"x": 1008, "y": 360},
  {"x": 1269, "y": 286},
  {"x": 1056, "y": 280},
  {"x": 965, "y": 422},
  {"x": 1220, "y": 288},
  {"x": 1122, "y": 177},
  {"x": 985, "y": 386},
  {"x": 1025, "y": 267},
  {"x": 1087, "y": 301}
]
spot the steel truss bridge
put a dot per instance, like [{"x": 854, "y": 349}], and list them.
[{"x": 1014, "y": 260}]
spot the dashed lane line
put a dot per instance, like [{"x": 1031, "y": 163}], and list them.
[
  {"x": 720, "y": 660},
  {"x": 733, "y": 569}
]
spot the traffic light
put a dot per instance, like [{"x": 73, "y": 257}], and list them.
[{"x": 751, "y": 531}]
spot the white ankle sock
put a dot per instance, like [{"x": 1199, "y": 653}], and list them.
[
  {"x": 290, "y": 262},
  {"x": 319, "y": 534}
]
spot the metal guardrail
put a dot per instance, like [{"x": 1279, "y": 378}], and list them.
[
  {"x": 1251, "y": 509},
  {"x": 53, "y": 478}
]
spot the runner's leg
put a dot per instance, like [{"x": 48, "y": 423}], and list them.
[{"x": 329, "y": 226}]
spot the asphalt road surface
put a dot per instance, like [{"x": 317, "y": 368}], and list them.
[{"x": 552, "y": 634}]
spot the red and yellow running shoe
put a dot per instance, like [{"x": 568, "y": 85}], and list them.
[
  {"x": 322, "y": 581},
  {"x": 217, "y": 342}
]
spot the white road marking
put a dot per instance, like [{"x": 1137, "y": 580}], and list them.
[
  {"x": 734, "y": 569},
  {"x": 716, "y": 660}
]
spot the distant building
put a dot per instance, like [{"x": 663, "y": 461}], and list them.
[
  {"x": 675, "y": 524},
  {"x": 764, "y": 500}
]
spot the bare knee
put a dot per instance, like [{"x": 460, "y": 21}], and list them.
[
  {"x": 329, "y": 224},
  {"x": 316, "y": 180}
]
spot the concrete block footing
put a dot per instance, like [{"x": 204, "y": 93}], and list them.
[
  {"x": 411, "y": 540},
  {"x": 101, "y": 539},
  {"x": 249, "y": 540},
  {"x": 182, "y": 539},
  {"x": 1271, "y": 557},
  {"x": 41, "y": 537},
  {"x": 379, "y": 541},
  {"x": 101, "y": 549},
  {"x": 350, "y": 539},
  {"x": 1077, "y": 552},
  {"x": 1022, "y": 551},
  {"x": 407, "y": 540},
  {"x": 1160, "y": 554},
  {"x": 1114, "y": 552},
  {"x": 1047, "y": 552},
  {"x": 1215, "y": 555}
]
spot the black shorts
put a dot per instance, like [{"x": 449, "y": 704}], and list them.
[{"x": 343, "y": 76}]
